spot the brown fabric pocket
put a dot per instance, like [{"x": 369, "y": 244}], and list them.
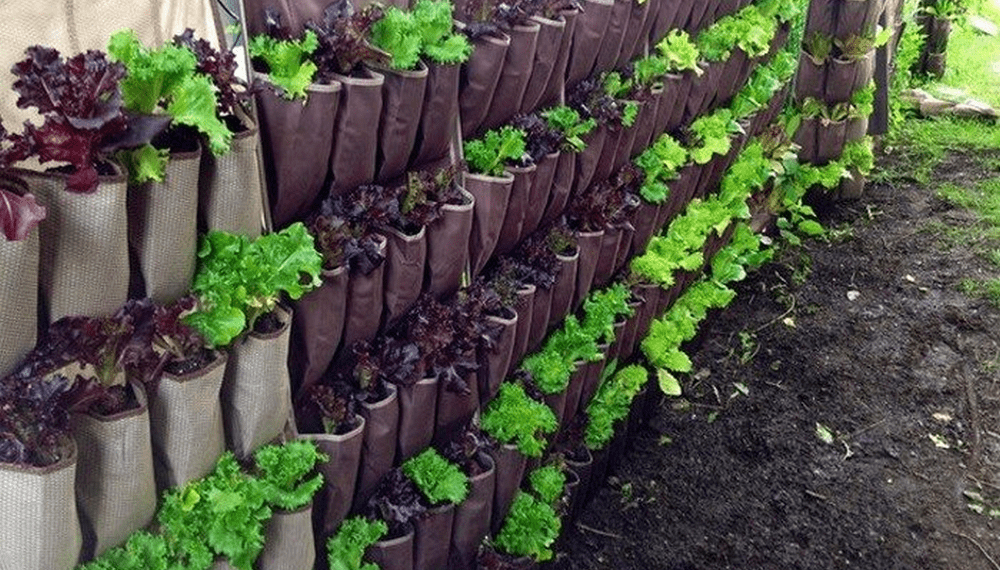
[
  {"x": 632, "y": 41},
  {"x": 364, "y": 302},
  {"x": 591, "y": 381},
  {"x": 607, "y": 257},
  {"x": 78, "y": 230},
  {"x": 432, "y": 537},
  {"x": 393, "y": 554},
  {"x": 163, "y": 230},
  {"x": 297, "y": 137},
  {"x": 256, "y": 393},
  {"x": 115, "y": 464},
  {"x": 455, "y": 409},
  {"x": 525, "y": 318},
  {"x": 547, "y": 52},
  {"x": 480, "y": 75},
  {"x": 557, "y": 79},
  {"x": 574, "y": 390},
  {"x": 288, "y": 543},
  {"x": 588, "y": 159},
  {"x": 564, "y": 288},
  {"x": 447, "y": 247},
  {"x": 492, "y": 195},
  {"x": 402, "y": 102},
  {"x": 417, "y": 410},
  {"x": 186, "y": 424},
  {"x": 18, "y": 288},
  {"x": 588, "y": 33},
  {"x": 541, "y": 305},
  {"x": 590, "y": 252},
  {"x": 614, "y": 35},
  {"x": 514, "y": 75},
  {"x": 317, "y": 325},
  {"x": 510, "y": 464},
  {"x": 378, "y": 449},
  {"x": 557, "y": 403},
  {"x": 494, "y": 365},
  {"x": 38, "y": 516},
  {"x": 440, "y": 110},
  {"x": 562, "y": 185},
  {"x": 230, "y": 191},
  {"x": 355, "y": 138},
  {"x": 404, "y": 271},
  {"x": 517, "y": 208},
  {"x": 472, "y": 520},
  {"x": 541, "y": 186},
  {"x": 664, "y": 20},
  {"x": 645, "y": 122},
  {"x": 340, "y": 474}
]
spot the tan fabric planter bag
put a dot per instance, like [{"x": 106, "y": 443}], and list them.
[
  {"x": 18, "y": 288},
  {"x": 288, "y": 543},
  {"x": 230, "y": 193},
  {"x": 115, "y": 486},
  {"x": 256, "y": 392}
]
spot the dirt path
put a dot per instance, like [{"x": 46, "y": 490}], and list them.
[{"x": 867, "y": 337}]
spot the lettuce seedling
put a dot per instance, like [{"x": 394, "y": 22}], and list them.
[
  {"x": 396, "y": 33},
  {"x": 568, "y": 121},
  {"x": 514, "y": 418},
  {"x": 283, "y": 472},
  {"x": 346, "y": 548},
  {"x": 612, "y": 404},
  {"x": 497, "y": 148},
  {"x": 287, "y": 61},
  {"x": 440, "y": 480},
  {"x": 439, "y": 42},
  {"x": 679, "y": 52},
  {"x": 530, "y": 528},
  {"x": 660, "y": 163},
  {"x": 548, "y": 482}
]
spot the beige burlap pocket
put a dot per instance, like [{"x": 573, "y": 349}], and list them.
[
  {"x": 288, "y": 541},
  {"x": 18, "y": 290},
  {"x": 230, "y": 194}
]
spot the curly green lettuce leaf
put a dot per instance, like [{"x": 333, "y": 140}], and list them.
[{"x": 288, "y": 63}]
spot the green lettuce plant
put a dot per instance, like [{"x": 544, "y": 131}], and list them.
[
  {"x": 548, "y": 482},
  {"x": 660, "y": 163},
  {"x": 284, "y": 473},
  {"x": 530, "y": 528},
  {"x": 611, "y": 404},
  {"x": 573, "y": 127},
  {"x": 679, "y": 52},
  {"x": 439, "y": 42},
  {"x": 488, "y": 155},
  {"x": 346, "y": 548},
  {"x": 440, "y": 480},
  {"x": 288, "y": 62},
  {"x": 514, "y": 418}
]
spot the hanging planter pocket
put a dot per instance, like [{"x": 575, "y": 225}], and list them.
[
  {"x": 472, "y": 519},
  {"x": 540, "y": 188},
  {"x": 18, "y": 288},
  {"x": 510, "y": 465},
  {"x": 288, "y": 543},
  {"x": 588, "y": 34},
  {"x": 495, "y": 363},
  {"x": 417, "y": 411},
  {"x": 393, "y": 553},
  {"x": 230, "y": 189},
  {"x": 857, "y": 17},
  {"x": 557, "y": 403},
  {"x": 79, "y": 230},
  {"x": 479, "y": 79},
  {"x": 614, "y": 35},
  {"x": 186, "y": 422},
  {"x": 455, "y": 409},
  {"x": 645, "y": 123},
  {"x": 517, "y": 208},
  {"x": 644, "y": 220},
  {"x": 588, "y": 159},
  {"x": 670, "y": 113},
  {"x": 540, "y": 307},
  {"x": 256, "y": 393},
  {"x": 432, "y": 537},
  {"x": 163, "y": 230},
  {"x": 524, "y": 307},
  {"x": 550, "y": 39},
  {"x": 562, "y": 185},
  {"x": 632, "y": 41},
  {"x": 355, "y": 136},
  {"x": 297, "y": 137},
  {"x": 590, "y": 252},
  {"x": 514, "y": 75},
  {"x": 581, "y": 463},
  {"x": 405, "y": 258},
  {"x": 340, "y": 474},
  {"x": 38, "y": 517},
  {"x": 317, "y": 325},
  {"x": 564, "y": 288},
  {"x": 810, "y": 79},
  {"x": 806, "y": 138},
  {"x": 830, "y": 140},
  {"x": 378, "y": 448},
  {"x": 591, "y": 380},
  {"x": 402, "y": 102},
  {"x": 447, "y": 247},
  {"x": 822, "y": 16},
  {"x": 607, "y": 257},
  {"x": 115, "y": 486},
  {"x": 844, "y": 77},
  {"x": 440, "y": 110},
  {"x": 492, "y": 195},
  {"x": 364, "y": 302},
  {"x": 573, "y": 391},
  {"x": 557, "y": 79},
  {"x": 624, "y": 246}
]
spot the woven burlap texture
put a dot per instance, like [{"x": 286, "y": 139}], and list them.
[{"x": 18, "y": 288}]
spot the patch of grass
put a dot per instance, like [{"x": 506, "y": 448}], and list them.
[
  {"x": 988, "y": 289},
  {"x": 983, "y": 198}
]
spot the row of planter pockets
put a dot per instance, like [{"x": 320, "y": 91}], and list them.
[
  {"x": 107, "y": 484},
  {"x": 375, "y": 125},
  {"x": 94, "y": 251},
  {"x": 843, "y": 18}
]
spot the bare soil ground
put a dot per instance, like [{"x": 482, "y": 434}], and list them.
[{"x": 868, "y": 337}]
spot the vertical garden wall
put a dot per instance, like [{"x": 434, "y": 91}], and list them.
[{"x": 491, "y": 228}]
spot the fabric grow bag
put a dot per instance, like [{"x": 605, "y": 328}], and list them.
[
  {"x": 588, "y": 34},
  {"x": 614, "y": 35},
  {"x": 230, "y": 189},
  {"x": 632, "y": 43},
  {"x": 364, "y": 302},
  {"x": 432, "y": 537},
  {"x": 524, "y": 307},
  {"x": 587, "y": 160},
  {"x": 472, "y": 520},
  {"x": 517, "y": 208},
  {"x": 564, "y": 288},
  {"x": 402, "y": 102},
  {"x": 317, "y": 325},
  {"x": 340, "y": 474},
  {"x": 404, "y": 271},
  {"x": 495, "y": 363},
  {"x": 492, "y": 195},
  {"x": 288, "y": 543},
  {"x": 447, "y": 249},
  {"x": 439, "y": 113},
  {"x": 355, "y": 138},
  {"x": 297, "y": 137},
  {"x": 562, "y": 185},
  {"x": 378, "y": 446},
  {"x": 393, "y": 553},
  {"x": 573, "y": 391},
  {"x": 509, "y": 464},
  {"x": 538, "y": 193},
  {"x": 546, "y": 56},
  {"x": 479, "y": 79},
  {"x": 844, "y": 77},
  {"x": 18, "y": 288},
  {"x": 514, "y": 75},
  {"x": 590, "y": 251},
  {"x": 557, "y": 79},
  {"x": 607, "y": 256},
  {"x": 540, "y": 307},
  {"x": 455, "y": 409},
  {"x": 417, "y": 410}
]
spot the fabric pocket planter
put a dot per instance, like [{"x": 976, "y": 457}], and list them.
[
  {"x": 355, "y": 136},
  {"x": 857, "y": 17},
  {"x": 630, "y": 336},
  {"x": 582, "y": 464},
  {"x": 624, "y": 150},
  {"x": 495, "y": 363},
  {"x": 402, "y": 102},
  {"x": 297, "y": 137},
  {"x": 364, "y": 301},
  {"x": 556, "y": 84},
  {"x": 540, "y": 188},
  {"x": 472, "y": 519},
  {"x": 340, "y": 474},
  {"x": 632, "y": 44},
  {"x": 683, "y": 87},
  {"x": 624, "y": 245},
  {"x": 651, "y": 295},
  {"x": 726, "y": 8},
  {"x": 564, "y": 288},
  {"x": 613, "y": 137},
  {"x": 417, "y": 411},
  {"x": 455, "y": 409},
  {"x": 806, "y": 138},
  {"x": 844, "y": 77},
  {"x": 115, "y": 485},
  {"x": 394, "y": 553},
  {"x": 614, "y": 35},
  {"x": 592, "y": 378},
  {"x": 38, "y": 516},
  {"x": 510, "y": 465},
  {"x": 438, "y": 115},
  {"x": 822, "y": 16},
  {"x": 378, "y": 448},
  {"x": 590, "y": 252},
  {"x": 480, "y": 76},
  {"x": 702, "y": 12},
  {"x": 492, "y": 195},
  {"x": 810, "y": 80},
  {"x": 18, "y": 288},
  {"x": 645, "y": 123},
  {"x": 317, "y": 325},
  {"x": 524, "y": 307},
  {"x": 644, "y": 41},
  {"x": 163, "y": 230},
  {"x": 573, "y": 392},
  {"x": 588, "y": 33},
  {"x": 432, "y": 537},
  {"x": 230, "y": 189},
  {"x": 541, "y": 306},
  {"x": 447, "y": 247},
  {"x": 517, "y": 208},
  {"x": 514, "y": 75},
  {"x": 664, "y": 19},
  {"x": 703, "y": 90},
  {"x": 557, "y": 403},
  {"x": 644, "y": 220},
  {"x": 405, "y": 258},
  {"x": 186, "y": 423},
  {"x": 615, "y": 348},
  {"x": 562, "y": 185},
  {"x": 856, "y": 129},
  {"x": 546, "y": 56},
  {"x": 588, "y": 159},
  {"x": 830, "y": 140},
  {"x": 78, "y": 231},
  {"x": 287, "y": 541},
  {"x": 256, "y": 392}
]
